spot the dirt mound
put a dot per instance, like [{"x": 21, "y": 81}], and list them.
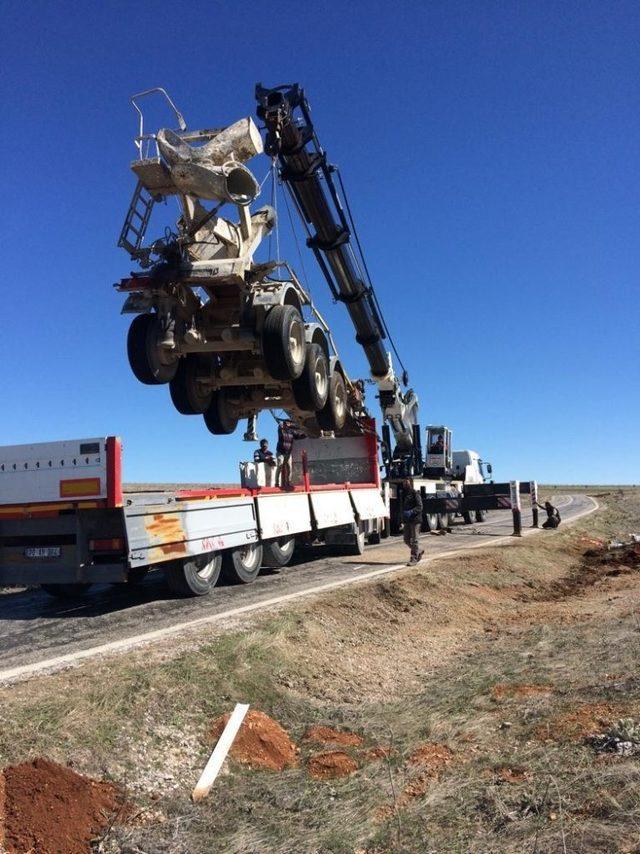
[
  {"x": 328, "y": 735},
  {"x": 49, "y": 809},
  {"x": 598, "y": 565},
  {"x": 509, "y": 691},
  {"x": 260, "y": 743},
  {"x": 582, "y": 722},
  {"x": 432, "y": 757},
  {"x": 334, "y": 763}
]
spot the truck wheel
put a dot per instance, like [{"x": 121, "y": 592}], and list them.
[
  {"x": 220, "y": 417},
  {"x": 189, "y": 396},
  {"x": 481, "y": 515},
  {"x": 66, "y": 591},
  {"x": 277, "y": 553},
  {"x": 194, "y": 576},
  {"x": 334, "y": 413},
  {"x": 442, "y": 521},
  {"x": 358, "y": 547},
  {"x": 311, "y": 389},
  {"x": 283, "y": 342},
  {"x": 242, "y": 565},
  {"x": 151, "y": 365}
]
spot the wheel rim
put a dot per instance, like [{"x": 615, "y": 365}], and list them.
[
  {"x": 205, "y": 567},
  {"x": 340, "y": 399},
  {"x": 249, "y": 557},
  {"x": 297, "y": 343},
  {"x": 321, "y": 379}
]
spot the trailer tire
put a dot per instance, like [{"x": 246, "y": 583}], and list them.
[
  {"x": 431, "y": 521},
  {"x": 333, "y": 414},
  {"x": 283, "y": 342},
  {"x": 442, "y": 521},
  {"x": 194, "y": 576},
  {"x": 187, "y": 394},
  {"x": 277, "y": 553},
  {"x": 220, "y": 418},
  {"x": 358, "y": 547},
  {"x": 151, "y": 365},
  {"x": 481, "y": 515},
  {"x": 242, "y": 565},
  {"x": 311, "y": 389},
  {"x": 66, "y": 591}
]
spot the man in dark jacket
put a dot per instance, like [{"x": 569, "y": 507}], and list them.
[
  {"x": 286, "y": 435},
  {"x": 411, "y": 518},
  {"x": 553, "y": 516}
]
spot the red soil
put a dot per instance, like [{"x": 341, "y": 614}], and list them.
[
  {"x": 328, "y": 735},
  {"x": 49, "y": 809},
  {"x": 328, "y": 766},
  {"x": 260, "y": 743}
]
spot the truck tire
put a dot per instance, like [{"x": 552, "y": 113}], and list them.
[
  {"x": 311, "y": 389},
  {"x": 242, "y": 565},
  {"x": 188, "y": 395},
  {"x": 66, "y": 591},
  {"x": 194, "y": 576},
  {"x": 358, "y": 547},
  {"x": 375, "y": 537},
  {"x": 442, "y": 521},
  {"x": 151, "y": 365},
  {"x": 481, "y": 515},
  {"x": 385, "y": 531},
  {"x": 468, "y": 516},
  {"x": 283, "y": 342},
  {"x": 277, "y": 553},
  {"x": 430, "y": 522},
  {"x": 334, "y": 413},
  {"x": 220, "y": 417}
]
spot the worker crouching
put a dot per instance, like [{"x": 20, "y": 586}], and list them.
[{"x": 411, "y": 519}]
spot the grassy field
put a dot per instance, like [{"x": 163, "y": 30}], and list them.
[{"x": 479, "y": 677}]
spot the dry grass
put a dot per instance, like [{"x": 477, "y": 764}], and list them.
[{"x": 468, "y": 661}]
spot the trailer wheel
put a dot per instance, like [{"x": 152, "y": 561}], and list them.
[
  {"x": 311, "y": 389},
  {"x": 334, "y": 413},
  {"x": 442, "y": 521},
  {"x": 358, "y": 547},
  {"x": 151, "y": 365},
  {"x": 481, "y": 515},
  {"x": 277, "y": 553},
  {"x": 242, "y": 565},
  {"x": 283, "y": 342},
  {"x": 66, "y": 591},
  {"x": 195, "y": 576},
  {"x": 187, "y": 393},
  {"x": 220, "y": 417},
  {"x": 431, "y": 521}
]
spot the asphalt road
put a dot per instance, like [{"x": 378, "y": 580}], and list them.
[{"x": 38, "y": 632}]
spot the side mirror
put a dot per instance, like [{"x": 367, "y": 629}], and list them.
[{"x": 489, "y": 468}]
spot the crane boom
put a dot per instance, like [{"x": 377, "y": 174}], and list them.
[{"x": 310, "y": 179}]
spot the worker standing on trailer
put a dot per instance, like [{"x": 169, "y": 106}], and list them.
[
  {"x": 264, "y": 455},
  {"x": 286, "y": 436},
  {"x": 411, "y": 518}
]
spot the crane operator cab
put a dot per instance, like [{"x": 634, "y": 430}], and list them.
[{"x": 439, "y": 462}]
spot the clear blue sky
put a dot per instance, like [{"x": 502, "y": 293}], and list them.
[{"x": 492, "y": 153}]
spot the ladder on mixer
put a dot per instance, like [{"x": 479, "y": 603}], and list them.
[{"x": 136, "y": 221}]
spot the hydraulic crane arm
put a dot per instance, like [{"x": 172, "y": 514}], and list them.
[{"x": 310, "y": 179}]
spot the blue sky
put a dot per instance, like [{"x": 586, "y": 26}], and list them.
[{"x": 492, "y": 155}]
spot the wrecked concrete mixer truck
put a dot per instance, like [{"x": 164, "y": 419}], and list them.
[{"x": 230, "y": 336}]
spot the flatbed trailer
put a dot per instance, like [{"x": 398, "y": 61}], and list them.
[{"x": 66, "y": 521}]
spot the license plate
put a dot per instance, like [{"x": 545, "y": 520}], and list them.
[{"x": 43, "y": 552}]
